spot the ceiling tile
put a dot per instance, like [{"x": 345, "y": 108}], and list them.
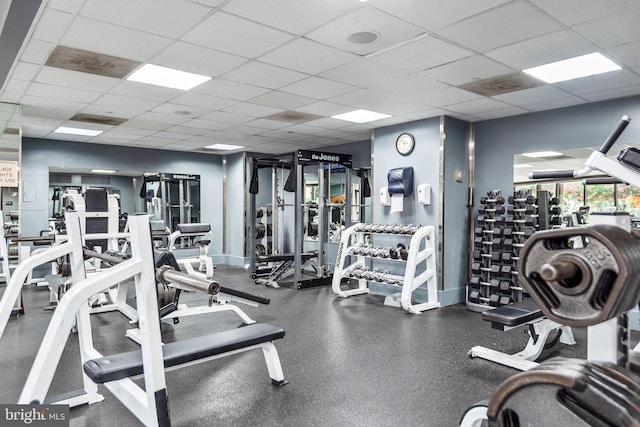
[
  {"x": 477, "y": 106},
  {"x": 529, "y": 96},
  {"x": 567, "y": 101},
  {"x": 229, "y": 89},
  {"x": 17, "y": 87},
  {"x": 282, "y": 100},
  {"x": 504, "y": 112},
  {"x": 362, "y": 72},
  {"x": 264, "y": 75},
  {"x": 145, "y": 91},
  {"x": 444, "y": 97},
  {"x": 612, "y": 31},
  {"x": 62, "y": 93},
  {"x": 318, "y": 88},
  {"x": 111, "y": 100},
  {"x": 600, "y": 82},
  {"x": 307, "y": 56},
  {"x": 324, "y": 108},
  {"x": 390, "y": 30},
  {"x": 232, "y": 34},
  {"x": 37, "y": 52},
  {"x": 75, "y": 79},
  {"x": 71, "y": 6},
  {"x": 626, "y": 54},
  {"x": 510, "y": 23},
  {"x": 169, "y": 18},
  {"x": 193, "y": 99},
  {"x": 100, "y": 37},
  {"x": 361, "y": 98},
  {"x": 612, "y": 93},
  {"x": 477, "y": 67},
  {"x": 252, "y": 110},
  {"x": 165, "y": 119},
  {"x": 434, "y": 14},
  {"x": 52, "y": 25},
  {"x": 400, "y": 107},
  {"x": 44, "y": 113},
  {"x": 407, "y": 85},
  {"x": 422, "y": 53},
  {"x": 227, "y": 117},
  {"x": 295, "y": 16},
  {"x": 205, "y": 124},
  {"x": 147, "y": 125},
  {"x": 542, "y": 50},
  {"x": 197, "y": 59},
  {"x": 121, "y": 112},
  {"x": 182, "y": 111},
  {"x": 571, "y": 12},
  {"x": 25, "y": 71},
  {"x": 268, "y": 124}
]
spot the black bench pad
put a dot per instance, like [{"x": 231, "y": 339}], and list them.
[
  {"x": 514, "y": 314},
  {"x": 305, "y": 256},
  {"x": 124, "y": 365}
]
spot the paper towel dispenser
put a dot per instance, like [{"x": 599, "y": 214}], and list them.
[{"x": 400, "y": 181}]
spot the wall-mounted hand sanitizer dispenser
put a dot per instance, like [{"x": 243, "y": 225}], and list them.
[
  {"x": 385, "y": 198},
  {"x": 424, "y": 194}
]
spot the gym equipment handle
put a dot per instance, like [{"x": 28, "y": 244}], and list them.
[
  {"x": 551, "y": 174},
  {"x": 166, "y": 274},
  {"x": 608, "y": 143}
]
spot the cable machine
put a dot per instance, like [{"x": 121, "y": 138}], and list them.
[
  {"x": 311, "y": 217},
  {"x": 172, "y": 198}
]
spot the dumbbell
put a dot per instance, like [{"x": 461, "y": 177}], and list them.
[
  {"x": 494, "y": 283},
  {"x": 505, "y": 271},
  {"x": 497, "y": 243},
  {"x": 505, "y": 300},
  {"x": 475, "y": 281},
  {"x": 474, "y": 297},
  {"x": 259, "y": 213},
  {"x": 506, "y": 257},
  {"x": 495, "y": 257},
  {"x": 582, "y": 286},
  {"x": 555, "y": 210},
  {"x": 495, "y": 270},
  {"x": 504, "y": 286},
  {"x": 380, "y": 252},
  {"x": 402, "y": 251},
  {"x": 556, "y": 220},
  {"x": 494, "y": 300}
]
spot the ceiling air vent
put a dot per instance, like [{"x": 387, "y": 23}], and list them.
[
  {"x": 97, "y": 119},
  {"x": 12, "y": 131},
  {"x": 293, "y": 117},
  {"x": 499, "y": 85},
  {"x": 90, "y": 62}
]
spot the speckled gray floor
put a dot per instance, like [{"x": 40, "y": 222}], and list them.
[{"x": 350, "y": 362}]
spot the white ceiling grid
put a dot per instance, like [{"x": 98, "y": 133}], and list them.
[{"x": 275, "y": 56}]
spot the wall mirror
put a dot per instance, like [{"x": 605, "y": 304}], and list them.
[{"x": 10, "y": 141}]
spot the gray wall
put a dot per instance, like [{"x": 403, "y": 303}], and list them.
[
  {"x": 39, "y": 154},
  {"x": 235, "y": 209},
  {"x": 573, "y": 127}
]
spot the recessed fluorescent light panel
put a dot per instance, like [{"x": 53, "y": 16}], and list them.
[
  {"x": 102, "y": 171},
  {"x": 225, "y": 147},
  {"x": 78, "y": 131},
  {"x": 361, "y": 116},
  {"x": 167, "y": 77},
  {"x": 573, "y": 68},
  {"x": 542, "y": 154}
]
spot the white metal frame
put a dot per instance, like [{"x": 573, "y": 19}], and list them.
[
  {"x": 205, "y": 263},
  {"x": 526, "y": 359},
  {"x": 416, "y": 258}
]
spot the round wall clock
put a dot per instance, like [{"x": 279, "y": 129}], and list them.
[{"x": 405, "y": 143}]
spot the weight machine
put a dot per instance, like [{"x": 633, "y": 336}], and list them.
[
  {"x": 169, "y": 198},
  {"x": 314, "y": 215},
  {"x": 585, "y": 276}
]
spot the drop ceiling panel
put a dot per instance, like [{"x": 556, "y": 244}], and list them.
[
  {"x": 118, "y": 101},
  {"x": 567, "y": 101},
  {"x": 571, "y": 12},
  {"x": 226, "y": 117},
  {"x": 400, "y": 107},
  {"x": 199, "y": 100},
  {"x": 506, "y": 24},
  {"x": 252, "y": 110},
  {"x": 183, "y": 111},
  {"x": 169, "y": 18},
  {"x": 612, "y": 31},
  {"x": 325, "y": 108},
  {"x": 232, "y": 34},
  {"x": 295, "y": 16},
  {"x": 71, "y": 6},
  {"x": 100, "y": 37},
  {"x": 529, "y": 96},
  {"x": 25, "y": 71},
  {"x": 30, "y": 112},
  {"x": 197, "y": 59},
  {"x": 147, "y": 125},
  {"x": 448, "y": 96},
  {"x": 542, "y": 50},
  {"x": 318, "y": 88},
  {"x": 434, "y": 14},
  {"x": 282, "y": 100},
  {"x": 407, "y": 85},
  {"x": 503, "y": 112},
  {"x": 75, "y": 79},
  {"x": 17, "y": 87},
  {"x": 606, "y": 81},
  {"x": 390, "y": 29},
  {"x": 626, "y": 54},
  {"x": 264, "y": 75},
  {"x": 119, "y": 112},
  {"x": 63, "y": 93},
  {"x": 307, "y": 56},
  {"x": 477, "y": 67},
  {"x": 361, "y": 98},
  {"x": 37, "y": 52},
  {"x": 52, "y": 25},
  {"x": 165, "y": 119},
  {"x": 425, "y": 52},
  {"x": 145, "y": 91},
  {"x": 205, "y": 124},
  {"x": 608, "y": 94},
  {"x": 362, "y": 72},
  {"x": 229, "y": 89}
]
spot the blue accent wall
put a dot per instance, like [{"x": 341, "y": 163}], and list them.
[{"x": 39, "y": 154}]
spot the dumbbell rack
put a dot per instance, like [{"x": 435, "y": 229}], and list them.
[{"x": 355, "y": 260}]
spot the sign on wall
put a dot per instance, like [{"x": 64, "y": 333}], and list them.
[{"x": 8, "y": 174}]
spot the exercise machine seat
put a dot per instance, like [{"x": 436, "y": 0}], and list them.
[
  {"x": 305, "y": 256},
  {"x": 193, "y": 228},
  {"x": 514, "y": 314},
  {"x": 124, "y": 365}
]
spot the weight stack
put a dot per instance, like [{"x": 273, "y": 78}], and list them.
[{"x": 484, "y": 285}]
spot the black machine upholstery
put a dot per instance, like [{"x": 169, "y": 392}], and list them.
[
  {"x": 305, "y": 256},
  {"x": 124, "y": 365},
  {"x": 514, "y": 314},
  {"x": 195, "y": 227}
]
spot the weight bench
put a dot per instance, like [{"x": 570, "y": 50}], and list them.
[
  {"x": 283, "y": 266},
  {"x": 195, "y": 350},
  {"x": 202, "y": 237},
  {"x": 523, "y": 313}
]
